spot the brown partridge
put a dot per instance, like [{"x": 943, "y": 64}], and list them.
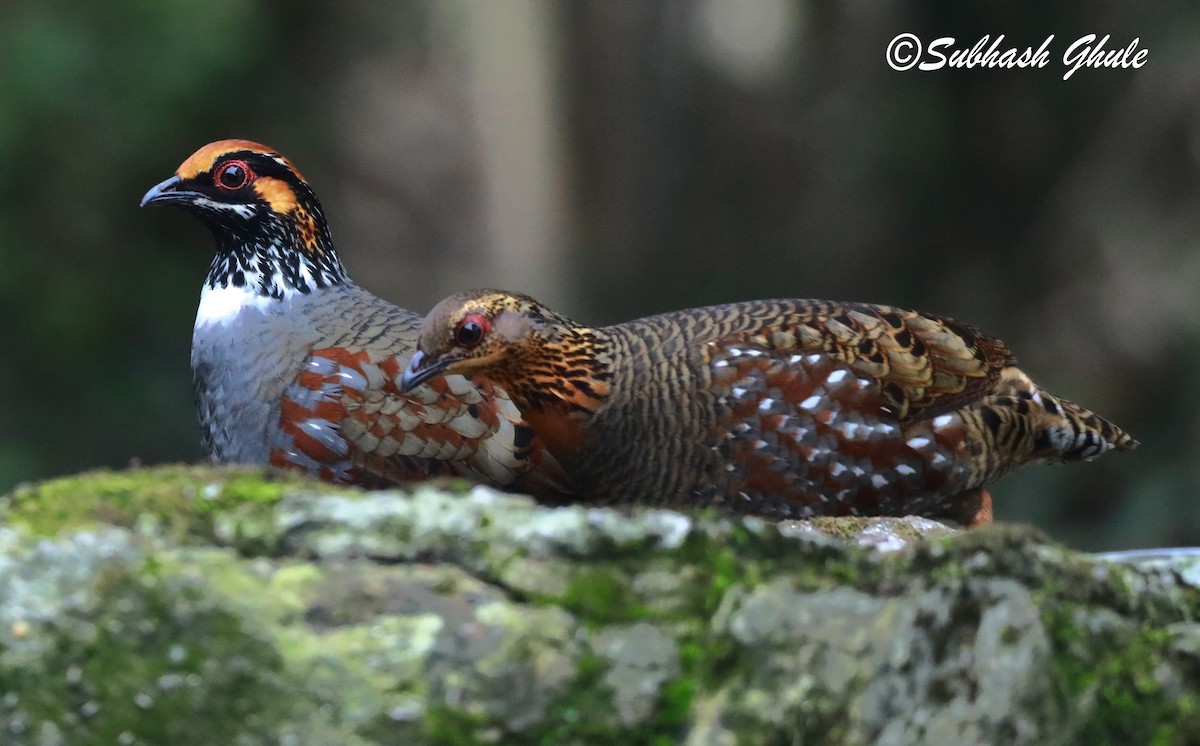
[
  {"x": 784, "y": 408},
  {"x": 296, "y": 365}
]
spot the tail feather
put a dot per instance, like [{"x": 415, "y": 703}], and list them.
[
  {"x": 1061, "y": 430},
  {"x": 1070, "y": 432}
]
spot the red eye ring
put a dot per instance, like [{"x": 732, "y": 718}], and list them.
[
  {"x": 233, "y": 175},
  {"x": 471, "y": 330}
]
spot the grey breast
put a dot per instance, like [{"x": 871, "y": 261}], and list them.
[{"x": 239, "y": 369}]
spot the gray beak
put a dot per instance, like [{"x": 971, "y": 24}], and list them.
[
  {"x": 166, "y": 193},
  {"x": 420, "y": 370}
]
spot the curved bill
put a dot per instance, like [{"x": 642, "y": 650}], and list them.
[
  {"x": 166, "y": 192},
  {"x": 420, "y": 370}
]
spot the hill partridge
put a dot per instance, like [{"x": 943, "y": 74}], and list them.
[
  {"x": 783, "y": 408},
  {"x": 295, "y": 365}
]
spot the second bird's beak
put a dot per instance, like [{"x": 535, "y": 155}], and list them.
[
  {"x": 420, "y": 369},
  {"x": 165, "y": 193}
]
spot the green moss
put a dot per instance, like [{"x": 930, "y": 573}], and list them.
[
  {"x": 722, "y": 565},
  {"x": 676, "y": 698},
  {"x": 720, "y": 662},
  {"x": 336, "y": 638},
  {"x": 746, "y": 558},
  {"x": 601, "y": 595},
  {"x": 176, "y": 500},
  {"x": 241, "y": 489},
  {"x": 102, "y": 497},
  {"x": 1053, "y": 573},
  {"x": 446, "y": 726},
  {"x": 1113, "y": 680},
  {"x": 196, "y": 662},
  {"x": 726, "y": 571},
  {"x": 585, "y": 712},
  {"x": 706, "y": 662}
]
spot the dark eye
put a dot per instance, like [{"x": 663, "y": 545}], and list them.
[
  {"x": 233, "y": 175},
  {"x": 471, "y": 329}
]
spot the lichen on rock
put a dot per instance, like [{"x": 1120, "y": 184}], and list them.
[{"x": 189, "y": 605}]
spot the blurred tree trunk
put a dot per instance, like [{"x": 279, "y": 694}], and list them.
[
  {"x": 512, "y": 91},
  {"x": 452, "y": 172},
  {"x": 626, "y": 113}
]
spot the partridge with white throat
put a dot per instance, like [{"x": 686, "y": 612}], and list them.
[{"x": 297, "y": 366}]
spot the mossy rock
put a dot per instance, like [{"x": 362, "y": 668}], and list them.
[{"x": 189, "y": 605}]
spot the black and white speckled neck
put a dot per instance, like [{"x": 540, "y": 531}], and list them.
[{"x": 266, "y": 252}]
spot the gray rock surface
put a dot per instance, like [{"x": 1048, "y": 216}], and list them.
[{"x": 187, "y": 605}]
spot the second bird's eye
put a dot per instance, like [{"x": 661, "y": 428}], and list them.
[
  {"x": 470, "y": 330},
  {"x": 233, "y": 175}
]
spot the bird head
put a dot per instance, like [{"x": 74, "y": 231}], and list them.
[
  {"x": 258, "y": 207},
  {"x": 557, "y": 372},
  {"x": 481, "y": 331}
]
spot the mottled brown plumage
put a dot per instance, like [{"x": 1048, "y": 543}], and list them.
[{"x": 787, "y": 408}]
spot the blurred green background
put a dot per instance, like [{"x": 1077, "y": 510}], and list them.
[{"x": 616, "y": 159}]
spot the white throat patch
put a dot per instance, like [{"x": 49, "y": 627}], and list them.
[{"x": 221, "y": 306}]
